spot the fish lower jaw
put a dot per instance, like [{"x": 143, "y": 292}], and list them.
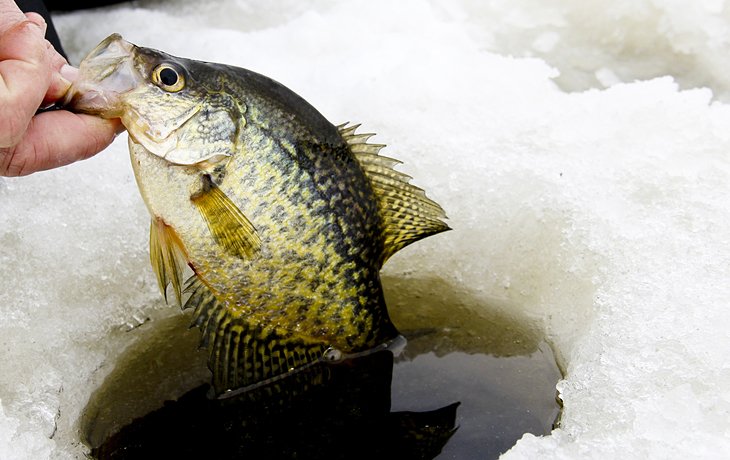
[{"x": 93, "y": 102}]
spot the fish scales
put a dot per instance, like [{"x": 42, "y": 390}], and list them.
[
  {"x": 335, "y": 226},
  {"x": 284, "y": 218}
]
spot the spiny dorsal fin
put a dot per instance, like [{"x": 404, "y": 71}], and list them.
[
  {"x": 241, "y": 354},
  {"x": 229, "y": 227},
  {"x": 167, "y": 257},
  {"x": 408, "y": 214}
]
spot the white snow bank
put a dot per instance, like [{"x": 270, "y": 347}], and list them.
[
  {"x": 598, "y": 44},
  {"x": 604, "y": 215}
]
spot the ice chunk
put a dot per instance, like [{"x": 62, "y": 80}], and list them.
[{"x": 17, "y": 443}]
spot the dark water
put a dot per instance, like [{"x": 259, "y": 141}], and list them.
[{"x": 470, "y": 382}]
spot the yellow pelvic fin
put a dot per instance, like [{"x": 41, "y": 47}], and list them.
[
  {"x": 167, "y": 256},
  {"x": 408, "y": 214},
  {"x": 243, "y": 354},
  {"x": 230, "y": 228}
]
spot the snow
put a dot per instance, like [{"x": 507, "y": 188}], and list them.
[{"x": 579, "y": 148}]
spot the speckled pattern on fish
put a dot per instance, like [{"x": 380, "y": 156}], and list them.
[{"x": 284, "y": 218}]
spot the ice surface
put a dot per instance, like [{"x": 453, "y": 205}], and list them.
[
  {"x": 590, "y": 39},
  {"x": 603, "y": 215}
]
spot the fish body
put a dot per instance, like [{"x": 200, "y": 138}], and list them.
[{"x": 284, "y": 218}]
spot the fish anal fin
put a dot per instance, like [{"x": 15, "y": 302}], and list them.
[
  {"x": 241, "y": 354},
  {"x": 229, "y": 227},
  {"x": 167, "y": 256},
  {"x": 408, "y": 214}
]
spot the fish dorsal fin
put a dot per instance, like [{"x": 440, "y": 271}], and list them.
[
  {"x": 408, "y": 214},
  {"x": 230, "y": 228},
  {"x": 241, "y": 354},
  {"x": 167, "y": 256}
]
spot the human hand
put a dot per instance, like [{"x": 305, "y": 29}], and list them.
[{"x": 33, "y": 74}]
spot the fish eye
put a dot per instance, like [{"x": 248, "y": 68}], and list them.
[{"x": 168, "y": 78}]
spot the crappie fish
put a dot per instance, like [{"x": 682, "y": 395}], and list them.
[{"x": 284, "y": 218}]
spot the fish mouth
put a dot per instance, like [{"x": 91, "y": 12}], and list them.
[{"x": 105, "y": 74}]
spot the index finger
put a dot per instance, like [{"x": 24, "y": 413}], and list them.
[{"x": 25, "y": 76}]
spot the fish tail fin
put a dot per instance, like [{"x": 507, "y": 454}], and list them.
[
  {"x": 408, "y": 215},
  {"x": 243, "y": 356}
]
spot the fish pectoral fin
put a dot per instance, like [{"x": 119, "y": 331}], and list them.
[
  {"x": 167, "y": 257},
  {"x": 407, "y": 213},
  {"x": 242, "y": 354},
  {"x": 230, "y": 228}
]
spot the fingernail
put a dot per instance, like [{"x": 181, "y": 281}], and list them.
[{"x": 69, "y": 72}]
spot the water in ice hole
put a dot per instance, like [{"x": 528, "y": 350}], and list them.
[{"x": 497, "y": 368}]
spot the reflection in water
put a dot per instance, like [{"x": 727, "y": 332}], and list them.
[
  {"x": 501, "y": 398},
  {"x": 346, "y": 416},
  {"x": 463, "y": 348},
  {"x": 496, "y": 366}
]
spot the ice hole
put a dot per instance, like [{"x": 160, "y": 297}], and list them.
[{"x": 497, "y": 366}]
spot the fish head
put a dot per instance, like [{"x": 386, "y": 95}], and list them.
[{"x": 161, "y": 99}]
